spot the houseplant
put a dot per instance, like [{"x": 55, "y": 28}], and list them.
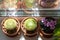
[
  {"x": 28, "y": 6},
  {"x": 47, "y": 25},
  {"x": 57, "y": 31},
  {"x": 48, "y": 3},
  {"x": 29, "y": 26},
  {"x": 10, "y": 26}
]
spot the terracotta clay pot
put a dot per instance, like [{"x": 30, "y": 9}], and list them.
[
  {"x": 46, "y": 5},
  {"x": 43, "y": 34},
  {"x": 28, "y": 11},
  {"x": 25, "y": 31},
  {"x": 45, "y": 31},
  {"x": 17, "y": 28}
]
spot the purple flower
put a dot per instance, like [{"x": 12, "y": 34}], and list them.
[
  {"x": 44, "y": 21},
  {"x": 52, "y": 27},
  {"x": 50, "y": 23}
]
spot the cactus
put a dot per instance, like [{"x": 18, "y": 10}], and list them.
[
  {"x": 30, "y": 24},
  {"x": 29, "y": 3},
  {"x": 10, "y": 24}
]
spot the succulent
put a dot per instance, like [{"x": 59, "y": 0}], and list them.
[
  {"x": 30, "y": 24},
  {"x": 49, "y": 22},
  {"x": 10, "y": 24},
  {"x": 29, "y": 3}
]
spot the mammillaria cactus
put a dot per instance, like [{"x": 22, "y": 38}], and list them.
[
  {"x": 10, "y": 3},
  {"x": 30, "y": 24},
  {"x": 10, "y": 24},
  {"x": 29, "y": 3}
]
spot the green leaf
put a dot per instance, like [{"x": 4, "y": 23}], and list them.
[{"x": 57, "y": 29}]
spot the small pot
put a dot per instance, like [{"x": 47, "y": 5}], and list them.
[
  {"x": 46, "y": 5},
  {"x": 44, "y": 30},
  {"x": 29, "y": 10},
  {"x": 17, "y": 28},
  {"x": 16, "y": 5},
  {"x": 25, "y": 31},
  {"x": 42, "y": 33}
]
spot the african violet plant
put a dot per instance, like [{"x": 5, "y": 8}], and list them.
[
  {"x": 48, "y": 24},
  {"x": 48, "y": 3}
]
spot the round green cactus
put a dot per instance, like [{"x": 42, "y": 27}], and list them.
[
  {"x": 10, "y": 24},
  {"x": 29, "y": 3},
  {"x": 30, "y": 24}
]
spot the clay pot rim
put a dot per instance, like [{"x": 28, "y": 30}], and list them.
[
  {"x": 36, "y": 32},
  {"x": 28, "y": 12},
  {"x": 18, "y": 28},
  {"x": 46, "y": 33}
]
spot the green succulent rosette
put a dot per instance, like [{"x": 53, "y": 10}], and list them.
[{"x": 30, "y": 24}]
